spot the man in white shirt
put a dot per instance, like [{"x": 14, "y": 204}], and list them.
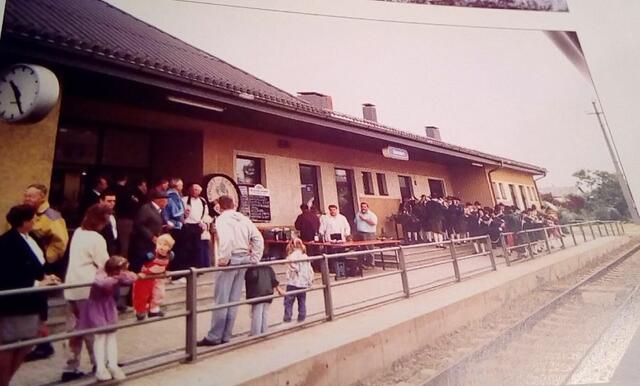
[
  {"x": 196, "y": 227},
  {"x": 334, "y": 226},
  {"x": 366, "y": 222},
  {"x": 240, "y": 242}
]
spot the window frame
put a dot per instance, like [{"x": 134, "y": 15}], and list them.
[
  {"x": 381, "y": 181},
  {"x": 260, "y": 170},
  {"x": 367, "y": 184}
]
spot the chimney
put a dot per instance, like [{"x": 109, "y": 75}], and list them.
[
  {"x": 369, "y": 112},
  {"x": 316, "y": 99},
  {"x": 433, "y": 132}
]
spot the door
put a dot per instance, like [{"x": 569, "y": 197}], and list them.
[
  {"x": 405, "y": 188},
  {"x": 514, "y": 199},
  {"x": 344, "y": 185},
  {"x": 309, "y": 186},
  {"x": 436, "y": 187}
]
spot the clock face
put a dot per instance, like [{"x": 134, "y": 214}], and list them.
[
  {"x": 27, "y": 92},
  {"x": 19, "y": 88},
  {"x": 217, "y": 185}
]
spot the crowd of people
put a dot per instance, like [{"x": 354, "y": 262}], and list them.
[
  {"x": 130, "y": 235},
  {"x": 128, "y": 238},
  {"x": 435, "y": 219},
  {"x": 126, "y": 233}
]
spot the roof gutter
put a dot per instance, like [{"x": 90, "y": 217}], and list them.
[{"x": 535, "y": 183}]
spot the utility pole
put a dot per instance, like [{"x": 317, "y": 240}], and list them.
[{"x": 624, "y": 185}]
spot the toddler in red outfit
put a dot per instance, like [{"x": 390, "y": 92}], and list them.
[{"x": 148, "y": 293}]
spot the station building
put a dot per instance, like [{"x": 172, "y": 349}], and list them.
[{"x": 135, "y": 100}]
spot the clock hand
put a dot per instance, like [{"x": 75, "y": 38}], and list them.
[{"x": 17, "y": 94}]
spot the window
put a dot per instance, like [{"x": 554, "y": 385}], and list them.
[
  {"x": 382, "y": 184},
  {"x": 309, "y": 186},
  {"x": 496, "y": 193},
  {"x": 503, "y": 193},
  {"x": 249, "y": 170},
  {"x": 406, "y": 192},
  {"x": 367, "y": 183},
  {"x": 532, "y": 195}
]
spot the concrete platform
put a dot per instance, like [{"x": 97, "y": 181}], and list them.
[{"x": 355, "y": 346}]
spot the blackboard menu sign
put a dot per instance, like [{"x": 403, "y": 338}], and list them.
[
  {"x": 259, "y": 204},
  {"x": 244, "y": 200}
]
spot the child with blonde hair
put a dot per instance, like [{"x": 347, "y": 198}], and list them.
[
  {"x": 148, "y": 294},
  {"x": 299, "y": 276},
  {"x": 101, "y": 311}
]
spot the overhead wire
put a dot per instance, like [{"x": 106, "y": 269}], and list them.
[{"x": 354, "y": 18}]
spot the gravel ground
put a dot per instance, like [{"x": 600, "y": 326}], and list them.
[{"x": 419, "y": 366}]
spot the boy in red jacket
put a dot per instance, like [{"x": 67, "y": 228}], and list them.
[{"x": 148, "y": 294}]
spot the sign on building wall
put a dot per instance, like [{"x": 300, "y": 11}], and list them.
[{"x": 255, "y": 203}]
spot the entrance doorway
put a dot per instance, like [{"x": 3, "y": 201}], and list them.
[
  {"x": 84, "y": 152},
  {"x": 436, "y": 187},
  {"x": 406, "y": 192},
  {"x": 309, "y": 186},
  {"x": 344, "y": 185}
]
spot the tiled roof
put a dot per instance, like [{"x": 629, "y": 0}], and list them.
[{"x": 97, "y": 30}]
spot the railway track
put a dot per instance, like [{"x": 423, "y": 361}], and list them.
[
  {"x": 539, "y": 333},
  {"x": 555, "y": 344}
]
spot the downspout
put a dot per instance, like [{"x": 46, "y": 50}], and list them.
[
  {"x": 493, "y": 191},
  {"x": 535, "y": 183}
]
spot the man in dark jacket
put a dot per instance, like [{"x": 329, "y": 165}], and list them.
[
  {"x": 307, "y": 223},
  {"x": 147, "y": 226}
]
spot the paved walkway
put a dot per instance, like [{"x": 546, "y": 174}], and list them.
[{"x": 169, "y": 335}]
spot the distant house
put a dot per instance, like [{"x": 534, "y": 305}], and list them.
[{"x": 138, "y": 101}]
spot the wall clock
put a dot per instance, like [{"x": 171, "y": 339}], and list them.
[
  {"x": 27, "y": 92},
  {"x": 217, "y": 185}
]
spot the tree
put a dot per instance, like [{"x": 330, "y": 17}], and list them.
[
  {"x": 600, "y": 189},
  {"x": 574, "y": 203}
]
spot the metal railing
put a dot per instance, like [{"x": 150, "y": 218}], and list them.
[{"x": 399, "y": 256}]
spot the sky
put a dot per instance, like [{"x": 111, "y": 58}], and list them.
[{"x": 492, "y": 88}]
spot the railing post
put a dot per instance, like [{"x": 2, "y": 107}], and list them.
[
  {"x": 562, "y": 245},
  {"x": 529, "y": 244},
  {"x": 326, "y": 282},
  {"x": 593, "y": 234},
  {"x": 617, "y": 231},
  {"x": 403, "y": 272},
  {"x": 584, "y": 236},
  {"x": 622, "y": 227},
  {"x": 600, "y": 230},
  {"x": 613, "y": 232},
  {"x": 546, "y": 240},
  {"x": 454, "y": 259},
  {"x": 505, "y": 250},
  {"x": 192, "y": 316},
  {"x": 606, "y": 230},
  {"x": 573, "y": 235},
  {"x": 491, "y": 255}
]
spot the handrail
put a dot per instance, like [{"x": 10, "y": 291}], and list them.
[{"x": 451, "y": 256}]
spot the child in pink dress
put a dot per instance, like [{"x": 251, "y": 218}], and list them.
[{"x": 101, "y": 311}]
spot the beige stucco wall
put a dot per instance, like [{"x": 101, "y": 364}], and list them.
[
  {"x": 222, "y": 143},
  {"x": 26, "y": 157},
  {"x": 471, "y": 183},
  {"x": 508, "y": 177}
]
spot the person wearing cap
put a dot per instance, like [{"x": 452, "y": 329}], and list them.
[{"x": 147, "y": 226}]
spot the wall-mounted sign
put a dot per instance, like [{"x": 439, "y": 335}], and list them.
[
  {"x": 259, "y": 204},
  {"x": 395, "y": 153}
]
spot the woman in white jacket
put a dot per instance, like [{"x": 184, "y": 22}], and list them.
[{"x": 87, "y": 254}]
